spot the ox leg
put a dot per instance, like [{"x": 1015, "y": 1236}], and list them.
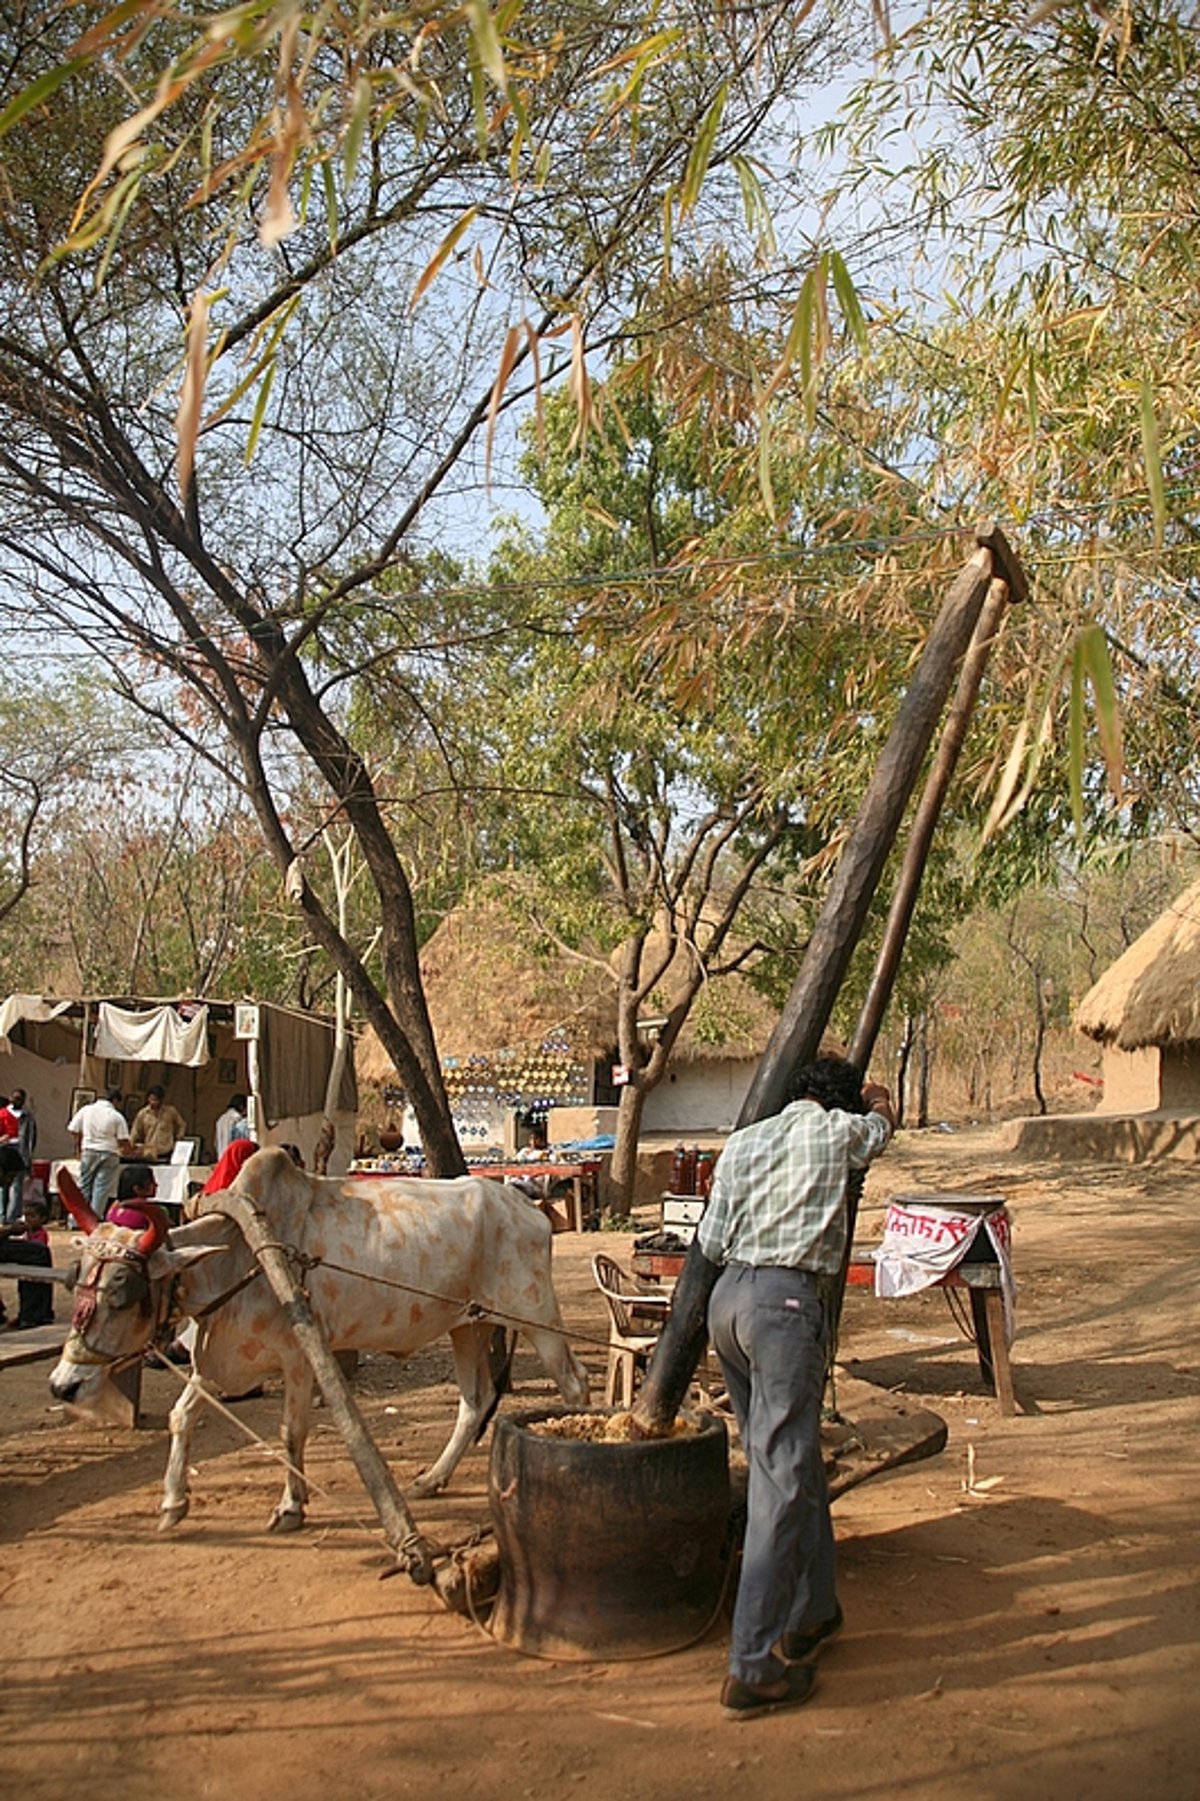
[
  {"x": 476, "y": 1398},
  {"x": 560, "y": 1364},
  {"x": 176, "y": 1499},
  {"x": 297, "y": 1406}
]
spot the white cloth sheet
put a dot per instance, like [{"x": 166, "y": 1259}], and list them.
[
  {"x": 924, "y": 1238},
  {"x": 159, "y": 1036},
  {"x": 26, "y": 1006}
]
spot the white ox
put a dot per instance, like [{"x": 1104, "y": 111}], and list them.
[{"x": 478, "y": 1246}]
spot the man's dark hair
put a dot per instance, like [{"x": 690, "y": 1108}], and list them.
[
  {"x": 834, "y": 1081},
  {"x": 238, "y": 1101},
  {"x": 133, "y": 1175},
  {"x": 18, "y": 1097},
  {"x": 113, "y": 1095},
  {"x": 158, "y": 1089}
]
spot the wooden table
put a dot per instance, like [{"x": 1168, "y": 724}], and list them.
[
  {"x": 582, "y": 1202},
  {"x": 981, "y": 1280},
  {"x": 581, "y": 1208},
  {"x": 658, "y": 1266}
]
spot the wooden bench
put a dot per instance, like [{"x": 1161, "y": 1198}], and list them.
[{"x": 982, "y": 1283}]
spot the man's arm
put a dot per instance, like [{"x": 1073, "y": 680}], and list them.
[{"x": 877, "y": 1100}]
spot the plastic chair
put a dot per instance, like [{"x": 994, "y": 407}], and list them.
[{"x": 635, "y": 1320}]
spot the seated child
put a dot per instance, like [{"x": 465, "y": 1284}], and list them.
[{"x": 27, "y": 1241}]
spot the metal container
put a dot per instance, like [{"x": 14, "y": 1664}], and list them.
[{"x": 608, "y": 1550}]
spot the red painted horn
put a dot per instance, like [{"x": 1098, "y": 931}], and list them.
[
  {"x": 156, "y": 1232},
  {"x": 71, "y": 1196}
]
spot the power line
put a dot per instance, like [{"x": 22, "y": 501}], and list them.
[{"x": 782, "y": 556}]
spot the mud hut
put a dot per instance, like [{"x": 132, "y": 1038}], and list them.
[{"x": 1145, "y": 1012}]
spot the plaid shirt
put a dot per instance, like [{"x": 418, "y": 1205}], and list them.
[{"x": 779, "y": 1191}]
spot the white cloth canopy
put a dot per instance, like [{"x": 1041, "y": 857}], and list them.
[
  {"x": 159, "y": 1036},
  {"x": 26, "y": 1006}
]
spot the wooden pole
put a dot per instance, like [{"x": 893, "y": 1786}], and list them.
[
  {"x": 798, "y": 1033},
  {"x": 413, "y": 1552},
  {"x": 904, "y": 897},
  {"x": 929, "y": 807}
]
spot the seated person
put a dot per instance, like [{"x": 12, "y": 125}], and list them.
[
  {"x": 156, "y": 1127},
  {"x": 137, "y": 1181},
  {"x": 228, "y": 1165},
  {"x": 28, "y": 1242}
]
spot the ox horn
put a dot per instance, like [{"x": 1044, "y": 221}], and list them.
[
  {"x": 156, "y": 1232},
  {"x": 71, "y": 1196}
]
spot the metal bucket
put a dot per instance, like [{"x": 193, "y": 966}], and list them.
[{"x": 608, "y": 1550}]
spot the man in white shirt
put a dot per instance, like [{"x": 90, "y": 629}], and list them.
[
  {"x": 226, "y": 1128},
  {"x": 101, "y": 1139}
]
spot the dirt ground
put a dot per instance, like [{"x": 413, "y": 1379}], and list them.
[{"x": 1032, "y": 1634}]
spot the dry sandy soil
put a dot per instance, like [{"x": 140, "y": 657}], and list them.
[{"x": 1034, "y": 1635}]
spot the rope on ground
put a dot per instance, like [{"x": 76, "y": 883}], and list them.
[{"x": 273, "y": 1451}]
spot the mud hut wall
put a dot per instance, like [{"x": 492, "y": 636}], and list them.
[
  {"x": 699, "y": 1096},
  {"x": 1132, "y": 1082},
  {"x": 1151, "y": 1078},
  {"x": 1180, "y": 1078}
]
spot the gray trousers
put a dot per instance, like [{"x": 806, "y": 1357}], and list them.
[
  {"x": 99, "y": 1172},
  {"x": 12, "y": 1197},
  {"x": 768, "y": 1329}
]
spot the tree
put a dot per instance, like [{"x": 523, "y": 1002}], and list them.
[
  {"x": 54, "y": 742},
  {"x": 1044, "y": 174},
  {"x": 228, "y": 602},
  {"x": 666, "y": 823}
]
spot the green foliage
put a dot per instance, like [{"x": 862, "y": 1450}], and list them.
[{"x": 1046, "y": 175}]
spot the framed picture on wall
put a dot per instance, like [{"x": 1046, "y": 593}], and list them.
[
  {"x": 227, "y": 1071},
  {"x": 113, "y": 1073},
  {"x": 81, "y": 1097}
]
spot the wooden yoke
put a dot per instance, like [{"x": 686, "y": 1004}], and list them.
[{"x": 992, "y": 569}]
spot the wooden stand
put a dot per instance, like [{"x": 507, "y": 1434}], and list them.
[{"x": 982, "y": 1282}]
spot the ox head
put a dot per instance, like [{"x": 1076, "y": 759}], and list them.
[{"x": 123, "y": 1297}]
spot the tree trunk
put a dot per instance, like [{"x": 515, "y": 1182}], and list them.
[
  {"x": 902, "y": 1061},
  {"x": 924, "y": 1070},
  {"x": 617, "y": 1191}
]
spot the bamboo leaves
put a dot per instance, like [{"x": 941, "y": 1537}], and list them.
[
  {"x": 1091, "y": 664},
  {"x": 1153, "y": 459}
]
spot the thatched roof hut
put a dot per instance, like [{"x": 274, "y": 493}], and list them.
[
  {"x": 1151, "y": 994},
  {"x": 494, "y": 999},
  {"x": 1145, "y": 1010}
]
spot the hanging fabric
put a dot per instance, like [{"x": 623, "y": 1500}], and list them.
[{"x": 159, "y": 1036}]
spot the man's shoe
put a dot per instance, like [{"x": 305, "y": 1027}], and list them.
[
  {"x": 794, "y": 1647},
  {"x": 747, "y": 1700}
]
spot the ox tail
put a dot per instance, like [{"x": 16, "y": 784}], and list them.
[{"x": 502, "y": 1346}]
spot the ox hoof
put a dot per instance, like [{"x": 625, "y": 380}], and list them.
[
  {"x": 286, "y": 1519},
  {"x": 171, "y": 1516},
  {"x": 426, "y": 1485}
]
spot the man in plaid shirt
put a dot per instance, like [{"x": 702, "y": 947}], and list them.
[{"x": 776, "y": 1222}]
